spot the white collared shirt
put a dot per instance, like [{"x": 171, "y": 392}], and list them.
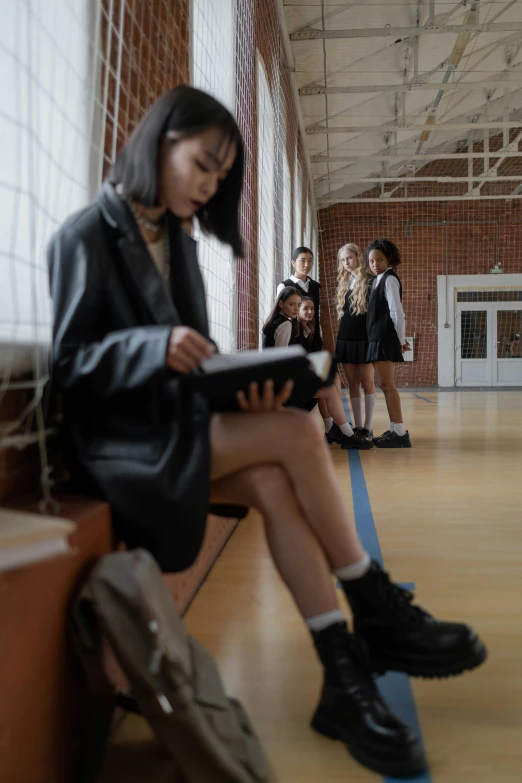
[
  {"x": 305, "y": 286},
  {"x": 392, "y": 292}
]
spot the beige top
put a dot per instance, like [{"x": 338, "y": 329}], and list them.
[{"x": 157, "y": 251}]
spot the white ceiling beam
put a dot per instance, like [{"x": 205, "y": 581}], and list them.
[
  {"x": 441, "y": 180},
  {"x": 402, "y": 32},
  {"x": 414, "y": 199},
  {"x": 370, "y": 88},
  {"x": 314, "y": 130},
  {"x": 404, "y": 156}
]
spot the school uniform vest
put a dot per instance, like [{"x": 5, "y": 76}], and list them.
[
  {"x": 352, "y": 325},
  {"x": 379, "y": 325},
  {"x": 269, "y": 335},
  {"x": 314, "y": 292}
]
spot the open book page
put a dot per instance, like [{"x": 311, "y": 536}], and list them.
[{"x": 27, "y": 538}]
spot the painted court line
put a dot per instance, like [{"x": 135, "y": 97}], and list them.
[
  {"x": 421, "y": 398},
  {"x": 395, "y": 687}
]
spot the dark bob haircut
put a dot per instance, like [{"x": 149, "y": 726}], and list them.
[
  {"x": 285, "y": 294},
  {"x": 387, "y": 248},
  {"x": 188, "y": 112},
  {"x": 297, "y": 252}
]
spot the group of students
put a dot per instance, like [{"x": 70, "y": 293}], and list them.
[
  {"x": 130, "y": 326},
  {"x": 370, "y": 339}
]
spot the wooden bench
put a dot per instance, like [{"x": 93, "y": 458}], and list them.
[{"x": 43, "y": 698}]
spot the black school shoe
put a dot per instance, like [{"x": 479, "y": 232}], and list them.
[
  {"x": 352, "y": 710},
  {"x": 355, "y": 442},
  {"x": 404, "y": 638},
  {"x": 390, "y": 440},
  {"x": 363, "y": 432},
  {"x": 334, "y": 434}
]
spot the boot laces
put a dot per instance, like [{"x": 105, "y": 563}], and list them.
[{"x": 400, "y": 599}]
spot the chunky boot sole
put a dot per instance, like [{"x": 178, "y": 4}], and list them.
[
  {"x": 436, "y": 667},
  {"x": 394, "y": 767}
]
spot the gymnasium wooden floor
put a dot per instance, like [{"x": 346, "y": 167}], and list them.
[{"x": 448, "y": 515}]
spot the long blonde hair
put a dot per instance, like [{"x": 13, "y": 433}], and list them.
[{"x": 359, "y": 297}]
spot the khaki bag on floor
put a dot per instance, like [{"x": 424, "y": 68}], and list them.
[{"x": 174, "y": 679}]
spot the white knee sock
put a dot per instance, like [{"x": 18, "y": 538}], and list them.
[
  {"x": 357, "y": 411},
  {"x": 328, "y": 424},
  {"x": 346, "y": 429},
  {"x": 321, "y": 621},
  {"x": 354, "y": 570},
  {"x": 400, "y": 429},
  {"x": 369, "y": 407}
]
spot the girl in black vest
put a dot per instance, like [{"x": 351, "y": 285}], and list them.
[
  {"x": 302, "y": 263},
  {"x": 353, "y": 290},
  {"x": 130, "y": 326},
  {"x": 282, "y": 327},
  {"x": 309, "y": 338},
  {"x": 279, "y": 330},
  {"x": 385, "y": 328}
]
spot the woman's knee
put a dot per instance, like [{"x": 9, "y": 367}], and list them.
[{"x": 266, "y": 483}]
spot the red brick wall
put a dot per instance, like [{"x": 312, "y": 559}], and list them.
[{"x": 477, "y": 233}]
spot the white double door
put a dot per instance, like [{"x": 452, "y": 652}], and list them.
[{"x": 488, "y": 344}]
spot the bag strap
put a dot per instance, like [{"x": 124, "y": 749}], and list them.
[{"x": 101, "y": 696}]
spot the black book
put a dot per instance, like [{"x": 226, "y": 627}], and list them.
[{"x": 223, "y": 375}]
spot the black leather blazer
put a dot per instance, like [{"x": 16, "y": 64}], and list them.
[{"x": 132, "y": 433}]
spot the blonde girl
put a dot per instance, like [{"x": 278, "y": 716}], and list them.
[{"x": 353, "y": 290}]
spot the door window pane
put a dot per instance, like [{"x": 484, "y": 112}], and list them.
[
  {"x": 490, "y": 296},
  {"x": 473, "y": 334},
  {"x": 509, "y": 328}
]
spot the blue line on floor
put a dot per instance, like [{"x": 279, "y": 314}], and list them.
[
  {"x": 421, "y": 398},
  {"x": 395, "y": 687}
]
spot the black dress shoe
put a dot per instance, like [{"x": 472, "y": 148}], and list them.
[
  {"x": 355, "y": 442},
  {"x": 405, "y": 638},
  {"x": 352, "y": 710},
  {"x": 363, "y": 432},
  {"x": 334, "y": 434},
  {"x": 393, "y": 441}
]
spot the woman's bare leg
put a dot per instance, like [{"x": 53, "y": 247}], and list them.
[
  {"x": 323, "y": 409},
  {"x": 287, "y": 439},
  {"x": 391, "y": 395},
  {"x": 352, "y": 376},
  {"x": 366, "y": 375},
  {"x": 334, "y": 403},
  {"x": 354, "y": 385},
  {"x": 296, "y": 552}
]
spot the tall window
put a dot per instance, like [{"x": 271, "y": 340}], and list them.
[
  {"x": 213, "y": 71},
  {"x": 45, "y": 127},
  {"x": 266, "y": 194}
]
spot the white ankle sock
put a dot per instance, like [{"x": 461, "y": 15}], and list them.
[
  {"x": 321, "y": 621},
  {"x": 328, "y": 424},
  {"x": 400, "y": 429},
  {"x": 369, "y": 407},
  {"x": 392, "y": 426},
  {"x": 354, "y": 570},
  {"x": 346, "y": 429},
  {"x": 357, "y": 411}
]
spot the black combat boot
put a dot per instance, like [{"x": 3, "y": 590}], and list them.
[
  {"x": 352, "y": 710},
  {"x": 405, "y": 638}
]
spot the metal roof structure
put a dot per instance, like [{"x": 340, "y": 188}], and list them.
[{"x": 410, "y": 100}]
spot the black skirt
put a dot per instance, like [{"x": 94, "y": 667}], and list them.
[
  {"x": 384, "y": 351},
  {"x": 351, "y": 352}
]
